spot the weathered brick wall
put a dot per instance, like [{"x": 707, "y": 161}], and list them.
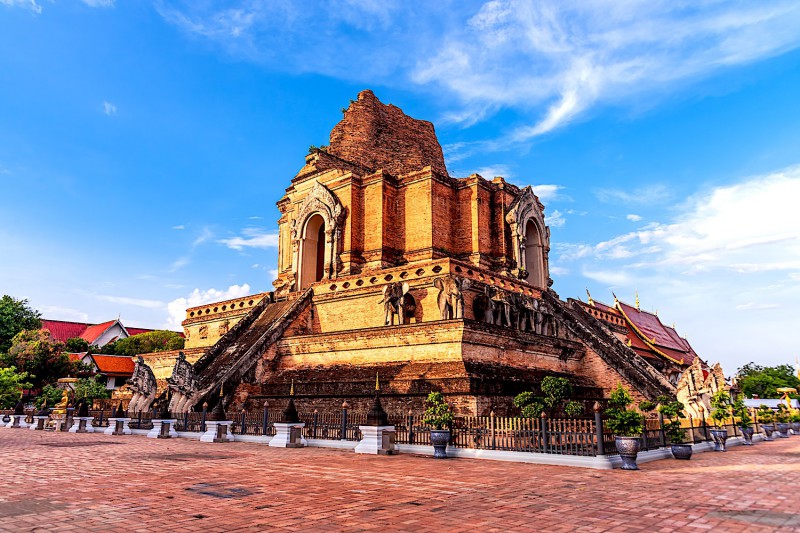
[{"x": 378, "y": 136}]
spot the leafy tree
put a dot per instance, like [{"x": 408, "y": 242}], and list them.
[
  {"x": 740, "y": 410},
  {"x": 673, "y": 412},
  {"x": 763, "y": 381},
  {"x": 50, "y": 393},
  {"x": 76, "y": 345},
  {"x": 623, "y": 421},
  {"x": 35, "y": 352},
  {"x": 720, "y": 407},
  {"x": 15, "y": 316},
  {"x": 438, "y": 414},
  {"x": 11, "y": 385},
  {"x": 91, "y": 389},
  {"x": 555, "y": 391},
  {"x": 152, "y": 341}
]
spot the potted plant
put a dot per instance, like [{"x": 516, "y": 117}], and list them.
[
  {"x": 439, "y": 415},
  {"x": 626, "y": 425},
  {"x": 766, "y": 415},
  {"x": 673, "y": 429},
  {"x": 794, "y": 419},
  {"x": 745, "y": 422},
  {"x": 720, "y": 409},
  {"x": 782, "y": 421}
]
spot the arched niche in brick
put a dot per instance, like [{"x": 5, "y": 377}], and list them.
[{"x": 530, "y": 238}]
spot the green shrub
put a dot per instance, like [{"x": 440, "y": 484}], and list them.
[
  {"x": 720, "y": 408},
  {"x": 438, "y": 414},
  {"x": 673, "y": 412},
  {"x": 622, "y": 421}
]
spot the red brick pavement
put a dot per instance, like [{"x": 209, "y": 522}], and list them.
[{"x": 70, "y": 482}]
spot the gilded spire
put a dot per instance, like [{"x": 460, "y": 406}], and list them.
[
  {"x": 291, "y": 390},
  {"x": 591, "y": 302},
  {"x": 637, "y": 300},
  {"x": 377, "y": 381}
]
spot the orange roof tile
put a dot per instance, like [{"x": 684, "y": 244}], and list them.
[{"x": 113, "y": 365}]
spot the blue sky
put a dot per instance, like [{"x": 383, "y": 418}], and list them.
[{"x": 143, "y": 145}]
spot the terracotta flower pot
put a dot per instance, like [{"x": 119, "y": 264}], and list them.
[
  {"x": 628, "y": 449},
  {"x": 439, "y": 439}
]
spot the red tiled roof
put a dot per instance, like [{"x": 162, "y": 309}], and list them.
[
  {"x": 113, "y": 365},
  {"x": 61, "y": 330},
  {"x": 93, "y": 333},
  {"x": 75, "y": 356},
  {"x": 137, "y": 331},
  {"x": 666, "y": 340}
]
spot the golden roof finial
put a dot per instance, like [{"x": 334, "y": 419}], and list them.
[
  {"x": 656, "y": 312},
  {"x": 629, "y": 343},
  {"x": 291, "y": 390},
  {"x": 591, "y": 302},
  {"x": 637, "y": 299},
  {"x": 673, "y": 325},
  {"x": 377, "y": 381}
]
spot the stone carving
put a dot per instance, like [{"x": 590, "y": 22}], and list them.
[
  {"x": 524, "y": 208},
  {"x": 451, "y": 296},
  {"x": 183, "y": 384},
  {"x": 394, "y": 302},
  {"x": 695, "y": 390},
  {"x": 320, "y": 201},
  {"x": 498, "y": 311},
  {"x": 143, "y": 385},
  {"x": 527, "y": 309}
]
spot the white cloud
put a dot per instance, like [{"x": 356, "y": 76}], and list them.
[
  {"x": 273, "y": 272},
  {"x": 177, "y": 308},
  {"x": 205, "y": 234},
  {"x": 548, "y": 192},
  {"x": 179, "y": 264},
  {"x": 732, "y": 251},
  {"x": 109, "y": 108},
  {"x": 634, "y": 218},
  {"x": 125, "y": 300},
  {"x": 252, "y": 238},
  {"x": 647, "y": 195},
  {"x": 55, "y": 312},
  {"x": 555, "y": 219},
  {"x": 26, "y": 4},
  {"x": 179, "y": 227},
  {"x": 99, "y": 3},
  {"x": 492, "y": 171},
  {"x": 555, "y": 61}
]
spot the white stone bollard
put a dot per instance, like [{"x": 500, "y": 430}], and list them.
[
  {"x": 118, "y": 426},
  {"x": 377, "y": 440},
  {"x": 159, "y": 432},
  {"x": 217, "y": 431},
  {"x": 82, "y": 424},
  {"x": 288, "y": 435}
]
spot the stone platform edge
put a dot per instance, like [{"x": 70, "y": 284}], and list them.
[{"x": 599, "y": 462}]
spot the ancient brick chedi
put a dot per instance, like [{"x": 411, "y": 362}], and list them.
[{"x": 387, "y": 264}]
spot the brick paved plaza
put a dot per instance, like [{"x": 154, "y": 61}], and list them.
[{"x": 72, "y": 482}]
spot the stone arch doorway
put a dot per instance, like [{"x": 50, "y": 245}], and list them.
[
  {"x": 534, "y": 256},
  {"x": 312, "y": 251}
]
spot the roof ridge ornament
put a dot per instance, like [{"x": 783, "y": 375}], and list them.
[
  {"x": 636, "y": 292},
  {"x": 591, "y": 302}
]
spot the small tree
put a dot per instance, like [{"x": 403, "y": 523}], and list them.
[
  {"x": 90, "y": 389},
  {"x": 782, "y": 415},
  {"x": 673, "y": 412},
  {"x": 152, "y": 341},
  {"x": 622, "y": 421},
  {"x": 555, "y": 391},
  {"x": 11, "y": 385},
  {"x": 35, "y": 352},
  {"x": 740, "y": 410},
  {"x": 438, "y": 414},
  {"x": 76, "y": 345},
  {"x": 720, "y": 408},
  {"x": 50, "y": 393},
  {"x": 766, "y": 414},
  {"x": 15, "y": 316}
]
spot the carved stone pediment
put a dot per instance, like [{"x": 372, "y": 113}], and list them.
[{"x": 526, "y": 207}]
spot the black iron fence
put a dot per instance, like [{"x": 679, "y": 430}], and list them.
[{"x": 577, "y": 436}]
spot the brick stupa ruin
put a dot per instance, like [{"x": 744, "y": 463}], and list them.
[{"x": 387, "y": 264}]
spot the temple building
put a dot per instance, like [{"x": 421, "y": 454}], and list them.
[{"x": 389, "y": 265}]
